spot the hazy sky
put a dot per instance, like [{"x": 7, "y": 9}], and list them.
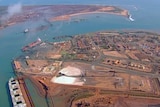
[
  {"x": 9, "y": 2},
  {"x": 139, "y": 3}
]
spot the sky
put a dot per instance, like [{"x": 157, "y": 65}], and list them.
[
  {"x": 10, "y": 2},
  {"x": 110, "y": 2}
]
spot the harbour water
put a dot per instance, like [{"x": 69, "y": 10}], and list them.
[{"x": 12, "y": 39}]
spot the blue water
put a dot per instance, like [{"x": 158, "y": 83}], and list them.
[{"x": 145, "y": 13}]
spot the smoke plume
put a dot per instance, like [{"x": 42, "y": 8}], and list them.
[
  {"x": 14, "y": 9},
  {"x": 11, "y": 10}
]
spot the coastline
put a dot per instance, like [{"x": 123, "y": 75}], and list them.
[
  {"x": 124, "y": 13},
  {"x": 52, "y": 90},
  {"x": 68, "y": 12}
]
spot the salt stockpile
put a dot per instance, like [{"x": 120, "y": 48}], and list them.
[
  {"x": 67, "y": 78},
  {"x": 71, "y": 71}
]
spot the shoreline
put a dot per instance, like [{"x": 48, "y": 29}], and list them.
[
  {"x": 66, "y": 14},
  {"x": 51, "y": 91},
  {"x": 125, "y": 13}
]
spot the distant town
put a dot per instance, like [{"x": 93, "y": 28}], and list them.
[
  {"x": 51, "y": 13},
  {"x": 101, "y": 69}
]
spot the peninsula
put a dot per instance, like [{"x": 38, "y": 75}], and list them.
[
  {"x": 50, "y": 13},
  {"x": 105, "y": 68}
]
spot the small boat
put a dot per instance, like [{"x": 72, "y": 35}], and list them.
[
  {"x": 130, "y": 18},
  {"x": 26, "y": 30}
]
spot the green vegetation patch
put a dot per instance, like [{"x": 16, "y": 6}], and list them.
[
  {"x": 84, "y": 95},
  {"x": 67, "y": 55}
]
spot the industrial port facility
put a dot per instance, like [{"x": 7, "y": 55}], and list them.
[{"x": 105, "y": 68}]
